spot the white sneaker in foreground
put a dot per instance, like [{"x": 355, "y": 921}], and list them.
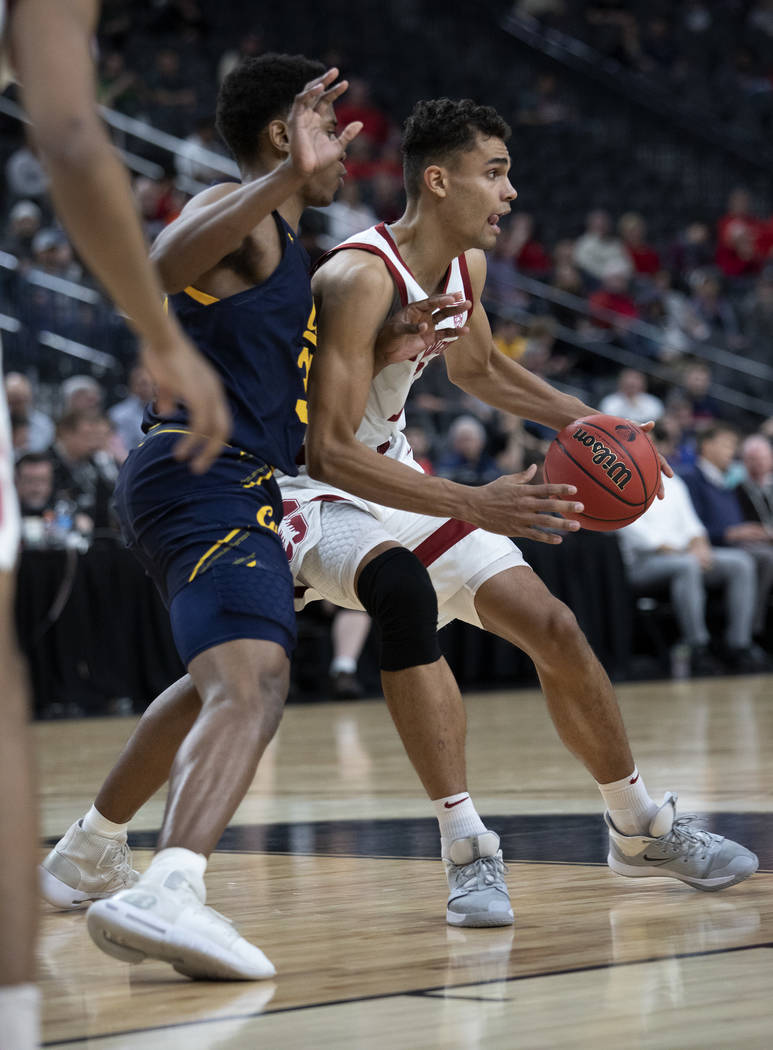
[
  {"x": 677, "y": 850},
  {"x": 84, "y": 867},
  {"x": 476, "y": 877},
  {"x": 164, "y": 917}
]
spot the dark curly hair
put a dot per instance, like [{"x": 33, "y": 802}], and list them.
[
  {"x": 256, "y": 92},
  {"x": 442, "y": 126}
]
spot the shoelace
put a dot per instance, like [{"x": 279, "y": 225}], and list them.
[
  {"x": 480, "y": 873},
  {"x": 688, "y": 839},
  {"x": 119, "y": 858}
]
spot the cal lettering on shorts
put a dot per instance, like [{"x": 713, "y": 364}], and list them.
[{"x": 304, "y": 363}]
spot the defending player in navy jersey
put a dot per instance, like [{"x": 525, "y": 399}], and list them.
[{"x": 238, "y": 279}]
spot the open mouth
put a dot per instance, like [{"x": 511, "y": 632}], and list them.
[{"x": 493, "y": 221}]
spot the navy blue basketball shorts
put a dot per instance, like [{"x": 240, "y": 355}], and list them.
[{"x": 209, "y": 542}]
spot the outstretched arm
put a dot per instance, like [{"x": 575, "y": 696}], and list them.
[
  {"x": 354, "y": 294},
  {"x": 50, "y": 43}
]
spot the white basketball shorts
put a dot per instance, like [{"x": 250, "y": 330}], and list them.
[{"x": 9, "y": 508}]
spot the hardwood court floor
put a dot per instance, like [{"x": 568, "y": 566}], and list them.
[{"x": 330, "y": 865}]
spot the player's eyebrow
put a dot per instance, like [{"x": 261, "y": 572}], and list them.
[{"x": 498, "y": 160}]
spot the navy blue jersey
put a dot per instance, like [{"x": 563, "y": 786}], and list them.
[{"x": 261, "y": 342}]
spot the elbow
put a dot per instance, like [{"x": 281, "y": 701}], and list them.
[
  {"x": 71, "y": 144},
  {"x": 170, "y": 282},
  {"x": 321, "y": 458}
]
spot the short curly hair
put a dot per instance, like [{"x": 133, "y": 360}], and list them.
[
  {"x": 441, "y": 126},
  {"x": 256, "y": 92}
]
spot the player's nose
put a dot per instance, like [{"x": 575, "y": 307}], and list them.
[{"x": 510, "y": 192}]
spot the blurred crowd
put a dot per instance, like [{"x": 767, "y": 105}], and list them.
[{"x": 675, "y": 325}]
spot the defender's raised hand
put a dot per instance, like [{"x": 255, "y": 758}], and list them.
[
  {"x": 311, "y": 125},
  {"x": 512, "y": 507},
  {"x": 414, "y": 329}
]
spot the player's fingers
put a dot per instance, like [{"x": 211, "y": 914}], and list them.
[
  {"x": 206, "y": 455},
  {"x": 665, "y": 466},
  {"x": 164, "y": 402},
  {"x": 526, "y": 475},
  {"x": 540, "y": 535},
  {"x": 334, "y": 92},
  {"x": 646, "y": 427},
  {"x": 323, "y": 80},
  {"x": 186, "y": 447},
  {"x": 553, "y": 491},
  {"x": 351, "y": 131},
  {"x": 556, "y": 506},
  {"x": 451, "y": 311},
  {"x": 434, "y": 302}
]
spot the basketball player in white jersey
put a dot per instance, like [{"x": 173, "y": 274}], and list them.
[
  {"x": 47, "y": 43},
  {"x": 365, "y": 528}
]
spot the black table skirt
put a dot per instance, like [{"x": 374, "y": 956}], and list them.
[{"x": 94, "y": 629}]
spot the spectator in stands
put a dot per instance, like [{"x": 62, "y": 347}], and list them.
[
  {"x": 80, "y": 476},
  {"x": 715, "y": 316},
  {"x": 203, "y": 136},
  {"x": 358, "y": 104},
  {"x": 118, "y": 86},
  {"x": 82, "y": 394},
  {"x": 633, "y": 233},
  {"x": 25, "y": 176},
  {"x": 614, "y": 296},
  {"x": 597, "y": 250},
  {"x": 52, "y": 253},
  {"x": 544, "y": 105},
  {"x": 35, "y": 484},
  {"x": 669, "y": 545},
  {"x": 467, "y": 462},
  {"x": 171, "y": 96},
  {"x": 755, "y": 492},
  {"x": 692, "y": 249},
  {"x": 694, "y": 389},
  {"x": 567, "y": 279},
  {"x": 738, "y": 232},
  {"x": 40, "y": 428},
  {"x": 538, "y": 352},
  {"x": 348, "y": 214},
  {"x": 509, "y": 337},
  {"x": 421, "y": 445},
  {"x": 529, "y": 254},
  {"x": 757, "y": 316},
  {"x": 631, "y": 400},
  {"x": 24, "y": 221},
  {"x": 719, "y": 508},
  {"x": 126, "y": 416}
]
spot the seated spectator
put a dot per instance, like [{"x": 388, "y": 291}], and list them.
[
  {"x": 25, "y": 176},
  {"x": 509, "y": 337},
  {"x": 40, "y": 428},
  {"x": 691, "y": 250},
  {"x": 668, "y": 544},
  {"x": 633, "y": 232},
  {"x": 81, "y": 477},
  {"x": 52, "y": 254},
  {"x": 738, "y": 232},
  {"x": 544, "y": 105},
  {"x": 357, "y": 104},
  {"x": 631, "y": 400},
  {"x": 35, "y": 484},
  {"x": 117, "y": 87},
  {"x": 719, "y": 508},
  {"x": 467, "y": 462},
  {"x": 694, "y": 389},
  {"x": 126, "y": 416},
  {"x": 614, "y": 295},
  {"x": 755, "y": 492},
  {"x": 597, "y": 250},
  {"x": 348, "y": 214},
  {"x": 529, "y": 254},
  {"x": 82, "y": 394},
  {"x": 24, "y": 221}
]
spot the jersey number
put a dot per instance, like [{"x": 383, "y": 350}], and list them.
[{"x": 304, "y": 363}]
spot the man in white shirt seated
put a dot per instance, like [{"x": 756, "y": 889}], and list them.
[
  {"x": 631, "y": 400},
  {"x": 668, "y": 544}
]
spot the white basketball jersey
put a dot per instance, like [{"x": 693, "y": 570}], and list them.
[{"x": 384, "y": 413}]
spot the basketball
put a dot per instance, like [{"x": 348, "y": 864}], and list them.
[{"x": 613, "y": 465}]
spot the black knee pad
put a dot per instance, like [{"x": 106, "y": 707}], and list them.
[{"x": 396, "y": 590}]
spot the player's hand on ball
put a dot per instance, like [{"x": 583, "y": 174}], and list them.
[
  {"x": 413, "y": 329},
  {"x": 513, "y": 507},
  {"x": 665, "y": 466},
  {"x": 313, "y": 146}
]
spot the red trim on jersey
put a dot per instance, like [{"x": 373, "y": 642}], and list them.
[
  {"x": 466, "y": 283},
  {"x": 397, "y": 277},
  {"x": 442, "y": 540},
  {"x": 381, "y": 228}
]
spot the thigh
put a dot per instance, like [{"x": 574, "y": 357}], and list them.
[
  {"x": 728, "y": 563},
  {"x": 656, "y": 569},
  {"x": 243, "y": 668},
  {"x": 516, "y": 605}
]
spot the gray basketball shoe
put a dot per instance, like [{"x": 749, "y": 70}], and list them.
[
  {"x": 678, "y": 850},
  {"x": 476, "y": 877},
  {"x": 83, "y": 867}
]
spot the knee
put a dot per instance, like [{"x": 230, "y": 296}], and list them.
[
  {"x": 395, "y": 588},
  {"x": 254, "y": 697},
  {"x": 559, "y": 638}
]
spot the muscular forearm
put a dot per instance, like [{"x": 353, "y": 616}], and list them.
[
  {"x": 511, "y": 388},
  {"x": 197, "y": 242},
  {"x": 355, "y": 468}
]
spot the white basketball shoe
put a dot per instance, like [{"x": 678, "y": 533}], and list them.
[
  {"x": 476, "y": 878},
  {"x": 676, "y": 849},
  {"x": 164, "y": 917},
  {"x": 84, "y": 867}
]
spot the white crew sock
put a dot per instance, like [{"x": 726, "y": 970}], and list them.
[
  {"x": 20, "y": 1013},
  {"x": 179, "y": 859},
  {"x": 96, "y": 824},
  {"x": 458, "y": 819},
  {"x": 629, "y": 805},
  {"x": 343, "y": 665}
]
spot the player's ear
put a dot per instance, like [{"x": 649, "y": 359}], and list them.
[
  {"x": 436, "y": 180},
  {"x": 278, "y": 136}
]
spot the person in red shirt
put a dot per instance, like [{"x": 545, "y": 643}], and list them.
[
  {"x": 741, "y": 237},
  {"x": 529, "y": 254},
  {"x": 633, "y": 232},
  {"x": 613, "y": 295}
]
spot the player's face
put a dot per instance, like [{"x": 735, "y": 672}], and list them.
[
  {"x": 480, "y": 191},
  {"x": 323, "y": 185}
]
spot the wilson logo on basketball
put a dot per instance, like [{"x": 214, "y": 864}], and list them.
[{"x": 615, "y": 469}]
